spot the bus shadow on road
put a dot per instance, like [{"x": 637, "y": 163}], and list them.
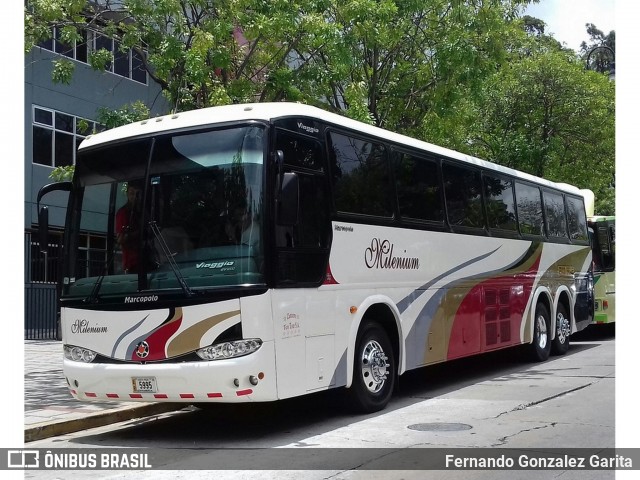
[
  {"x": 274, "y": 424},
  {"x": 444, "y": 378},
  {"x": 596, "y": 332}
]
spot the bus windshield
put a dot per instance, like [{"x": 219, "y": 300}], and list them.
[{"x": 173, "y": 212}]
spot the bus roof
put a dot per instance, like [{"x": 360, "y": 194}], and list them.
[{"x": 272, "y": 111}]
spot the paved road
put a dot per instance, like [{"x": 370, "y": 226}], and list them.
[{"x": 493, "y": 401}]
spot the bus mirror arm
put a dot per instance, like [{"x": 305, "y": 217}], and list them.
[
  {"x": 52, "y": 187},
  {"x": 288, "y": 192},
  {"x": 43, "y": 229},
  {"x": 43, "y": 213},
  {"x": 279, "y": 158}
]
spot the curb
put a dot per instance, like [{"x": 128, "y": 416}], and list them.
[{"x": 44, "y": 430}]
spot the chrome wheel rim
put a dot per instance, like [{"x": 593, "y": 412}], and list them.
[
  {"x": 563, "y": 327},
  {"x": 542, "y": 335},
  {"x": 374, "y": 366}
]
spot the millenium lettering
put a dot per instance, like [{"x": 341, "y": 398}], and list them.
[
  {"x": 380, "y": 255},
  {"x": 82, "y": 326}
]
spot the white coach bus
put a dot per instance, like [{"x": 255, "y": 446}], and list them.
[{"x": 265, "y": 251}]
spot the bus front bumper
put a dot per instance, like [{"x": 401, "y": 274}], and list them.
[{"x": 243, "y": 379}]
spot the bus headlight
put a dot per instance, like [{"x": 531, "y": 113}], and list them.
[
  {"x": 79, "y": 354},
  {"x": 237, "y": 348}
]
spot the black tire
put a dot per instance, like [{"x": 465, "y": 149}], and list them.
[
  {"x": 541, "y": 346},
  {"x": 560, "y": 344},
  {"x": 374, "y": 370}
]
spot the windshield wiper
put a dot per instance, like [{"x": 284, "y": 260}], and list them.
[
  {"x": 169, "y": 256},
  {"x": 93, "y": 296}
]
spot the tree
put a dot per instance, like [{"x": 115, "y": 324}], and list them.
[
  {"x": 599, "y": 53},
  {"x": 545, "y": 114},
  {"x": 471, "y": 75},
  {"x": 376, "y": 60}
]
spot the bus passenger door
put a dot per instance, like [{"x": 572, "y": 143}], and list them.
[{"x": 304, "y": 328}]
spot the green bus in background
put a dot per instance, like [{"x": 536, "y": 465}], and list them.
[
  {"x": 602, "y": 235},
  {"x": 604, "y": 267}
]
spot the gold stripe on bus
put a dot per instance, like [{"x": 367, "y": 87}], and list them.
[{"x": 189, "y": 340}]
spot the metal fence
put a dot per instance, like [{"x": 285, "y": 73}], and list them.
[
  {"x": 40, "y": 280},
  {"x": 42, "y": 277}
]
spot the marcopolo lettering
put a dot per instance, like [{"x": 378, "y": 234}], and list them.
[{"x": 150, "y": 298}]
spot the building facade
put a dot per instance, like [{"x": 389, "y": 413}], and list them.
[{"x": 57, "y": 118}]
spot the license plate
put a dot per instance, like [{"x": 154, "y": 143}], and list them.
[{"x": 144, "y": 384}]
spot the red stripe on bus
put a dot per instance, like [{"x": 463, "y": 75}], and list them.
[
  {"x": 160, "y": 395},
  {"x": 113, "y": 395},
  {"x": 135, "y": 395},
  {"x": 90, "y": 394},
  {"x": 244, "y": 392},
  {"x": 186, "y": 395},
  {"x": 214, "y": 395}
]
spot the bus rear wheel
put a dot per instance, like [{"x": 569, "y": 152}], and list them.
[
  {"x": 374, "y": 370},
  {"x": 541, "y": 346},
  {"x": 560, "y": 344}
]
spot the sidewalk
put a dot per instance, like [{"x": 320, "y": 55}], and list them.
[{"x": 49, "y": 408}]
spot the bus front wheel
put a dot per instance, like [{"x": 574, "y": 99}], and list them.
[
  {"x": 374, "y": 370},
  {"x": 541, "y": 346}
]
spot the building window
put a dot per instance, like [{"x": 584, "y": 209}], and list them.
[
  {"x": 128, "y": 64},
  {"x": 57, "y": 135}
]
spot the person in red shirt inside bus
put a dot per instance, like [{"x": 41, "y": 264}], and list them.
[{"x": 127, "y": 227}]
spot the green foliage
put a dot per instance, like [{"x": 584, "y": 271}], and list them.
[
  {"x": 100, "y": 59},
  {"x": 475, "y": 76},
  {"x": 599, "y": 53},
  {"x": 129, "y": 113},
  {"x": 62, "y": 71},
  {"x": 41, "y": 15},
  {"x": 62, "y": 174},
  {"x": 546, "y": 115}
]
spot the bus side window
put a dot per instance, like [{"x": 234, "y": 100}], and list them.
[
  {"x": 360, "y": 176},
  {"x": 554, "y": 214},
  {"x": 605, "y": 242},
  {"x": 501, "y": 209},
  {"x": 577, "y": 219},
  {"x": 529, "y": 206},
  {"x": 463, "y": 194},
  {"x": 418, "y": 188}
]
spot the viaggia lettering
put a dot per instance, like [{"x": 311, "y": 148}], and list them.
[
  {"x": 307, "y": 128},
  {"x": 215, "y": 264}
]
